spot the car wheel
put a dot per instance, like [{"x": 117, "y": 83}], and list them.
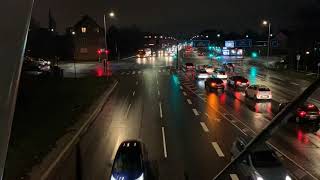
[{"x": 298, "y": 120}]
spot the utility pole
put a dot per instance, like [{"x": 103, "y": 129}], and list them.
[
  {"x": 177, "y": 63},
  {"x": 13, "y": 35}
]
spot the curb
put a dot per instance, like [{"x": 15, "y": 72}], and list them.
[{"x": 66, "y": 142}]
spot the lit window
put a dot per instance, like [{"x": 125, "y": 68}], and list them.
[
  {"x": 155, "y": 37},
  {"x": 145, "y": 37},
  {"x": 73, "y": 33},
  {"x": 97, "y": 30},
  {"x": 83, "y": 30},
  {"x": 150, "y": 37},
  {"x": 161, "y": 37}
]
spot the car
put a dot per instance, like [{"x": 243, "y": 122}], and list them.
[
  {"x": 220, "y": 74},
  {"x": 307, "y": 112},
  {"x": 262, "y": 163},
  {"x": 238, "y": 82},
  {"x": 202, "y": 74},
  {"x": 189, "y": 67},
  {"x": 209, "y": 69},
  {"x": 200, "y": 53},
  {"x": 129, "y": 162},
  {"x": 141, "y": 53},
  {"x": 213, "y": 83},
  {"x": 258, "y": 92}
]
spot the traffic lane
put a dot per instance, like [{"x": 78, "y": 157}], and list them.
[
  {"x": 286, "y": 154},
  {"x": 189, "y": 150},
  {"x": 97, "y": 146}
]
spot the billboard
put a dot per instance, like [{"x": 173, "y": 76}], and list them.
[{"x": 201, "y": 43}]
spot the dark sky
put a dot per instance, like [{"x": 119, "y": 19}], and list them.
[{"x": 177, "y": 16}]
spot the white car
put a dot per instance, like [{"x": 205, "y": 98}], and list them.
[
  {"x": 258, "y": 92},
  {"x": 220, "y": 74},
  {"x": 202, "y": 74}
]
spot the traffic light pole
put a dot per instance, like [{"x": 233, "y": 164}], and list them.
[
  {"x": 13, "y": 35},
  {"x": 177, "y": 63},
  {"x": 105, "y": 34}
]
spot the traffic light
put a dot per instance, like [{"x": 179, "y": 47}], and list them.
[
  {"x": 99, "y": 51},
  {"x": 211, "y": 55},
  {"x": 254, "y": 54}
]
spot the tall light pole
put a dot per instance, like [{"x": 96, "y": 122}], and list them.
[
  {"x": 110, "y": 15},
  {"x": 268, "y": 23}
]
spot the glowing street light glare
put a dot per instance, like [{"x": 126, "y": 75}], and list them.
[
  {"x": 111, "y": 14},
  {"x": 264, "y": 22}
]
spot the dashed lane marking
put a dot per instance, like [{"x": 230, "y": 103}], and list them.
[
  {"x": 195, "y": 112},
  {"x": 217, "y": 149},
  {"x": 189, "y": 101},
  {"x": 204, "y": 127},
  {"x": 184, "y": 93},
  {"x": 164, "y": 143},
  {"x": 234, "y": 177}
]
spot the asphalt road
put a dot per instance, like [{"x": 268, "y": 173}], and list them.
[{"x": 188, "y": 132}]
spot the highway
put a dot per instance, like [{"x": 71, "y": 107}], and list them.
[{"x": 188, "y": 132}]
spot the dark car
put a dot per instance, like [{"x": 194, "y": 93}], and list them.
[
  {"x": 189, "y": 67},
  {"x": 129, "y": 162},
  {"x": 307, "y": 112},
  {"x": 261, "y": 164},
  {"x": 213, "y": 83},
  {"x": 237, "y": 82}
]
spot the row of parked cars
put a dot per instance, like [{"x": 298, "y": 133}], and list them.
[{"x": 36, "y": 66}]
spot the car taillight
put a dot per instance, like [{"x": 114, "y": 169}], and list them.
[
  {"x": 238, "y": 82},
  {"x": 213, "y": 84},
  {"x": 302, "y": 113},
  {"x": 248, "y": 83},
  {"x": 319, "y": 112}
]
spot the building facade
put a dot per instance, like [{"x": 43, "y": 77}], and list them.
[{"x": 88, "y": 39}]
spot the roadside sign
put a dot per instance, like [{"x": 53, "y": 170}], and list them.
[
  {"x": 243, "y": 43},
  {"x": 201, "y": 43}
]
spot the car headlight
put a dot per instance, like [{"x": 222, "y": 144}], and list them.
[
  {"x": 259, "y": 178},
  {"x": 288, "y": 177},
  {"x": 112, "y": 178},
  {"x": 141, "y": 177}
]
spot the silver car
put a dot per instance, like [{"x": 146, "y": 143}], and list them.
[{"x": 260, "y": 164}]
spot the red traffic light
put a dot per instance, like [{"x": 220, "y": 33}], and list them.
[
  {"x": 107, "y": 51},
  {"x": 99, "y": 51}
]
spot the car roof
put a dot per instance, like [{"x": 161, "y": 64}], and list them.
[{"x": 261, "y": 147}]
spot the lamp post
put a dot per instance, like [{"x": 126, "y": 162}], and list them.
[
  {"x": 110, "y": 15},
  {"x": 267, "y": 23}
]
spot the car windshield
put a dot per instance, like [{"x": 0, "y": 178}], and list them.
[
  {"x": 127, "y": 161},
  {"x": 264, "y": 159},
  {"x": 78, "y": 78}
]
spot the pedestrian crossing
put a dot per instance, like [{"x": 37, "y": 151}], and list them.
[{"x": 140, "y": 72}]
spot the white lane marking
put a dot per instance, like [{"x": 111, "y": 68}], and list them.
[
  {"x": 293, "y": 83},
  {"x": 189, "y": 101},
  {"x": 164, "y": 143},
  {"x": 204, "y": 127},
  {"x": 128, "y": 110},
  {"x": 134, "y": 92},
  {"x": 160, "y": 108},
  {"x": 158, "y": 92},
  {"x": 184, "y": 93},
  {"x": 218, "y": 149},
  {"x": 195, "y": 112},
  {"x": 133, "y": 72},
  {"x": 181, "y": 87},
  {"x": 234, "y": 177},
  {"x": 136, "y": 82}
]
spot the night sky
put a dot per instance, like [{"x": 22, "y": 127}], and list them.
[{"x": 175, "y": 16}]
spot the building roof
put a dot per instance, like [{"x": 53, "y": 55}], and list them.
[{"x": 86, "y": 20}]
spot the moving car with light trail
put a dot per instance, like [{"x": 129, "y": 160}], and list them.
[
  {"x": 237, "y": 82},
  {"x": 306, "y": 112},
  {"x": 258, "y": 92},
  {"x": 129, "y": 162},
  {"x": 213, "y": 83},
  {"x": 262, "y": 163}
]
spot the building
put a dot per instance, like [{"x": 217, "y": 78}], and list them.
[{"x": 88, "y": 38}]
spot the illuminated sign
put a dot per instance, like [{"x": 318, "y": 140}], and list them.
[{"x": 229, "y": 44}]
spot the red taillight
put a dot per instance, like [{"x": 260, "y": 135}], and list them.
[
  {"x": 213, "y": 84},
  {"x": 302, "y": 113},
  {"x": 319, "y": 112},
  {"x": 238, "y": 82},
  {"x": 247, "y": 82}
]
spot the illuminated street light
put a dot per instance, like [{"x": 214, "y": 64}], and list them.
[
  {"x": 218, "y": 35},
  {"x": 247, "y": 36},
  {"x": 267, "y": 23},
  {"x": 73, "y": 33},
  {"x": 111, "y": 14}
]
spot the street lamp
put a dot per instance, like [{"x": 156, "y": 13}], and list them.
[
  {"x": 218, "y": 35},
  {"x": 111, "y": 15},
  {"x": 268, "y": 23}
]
